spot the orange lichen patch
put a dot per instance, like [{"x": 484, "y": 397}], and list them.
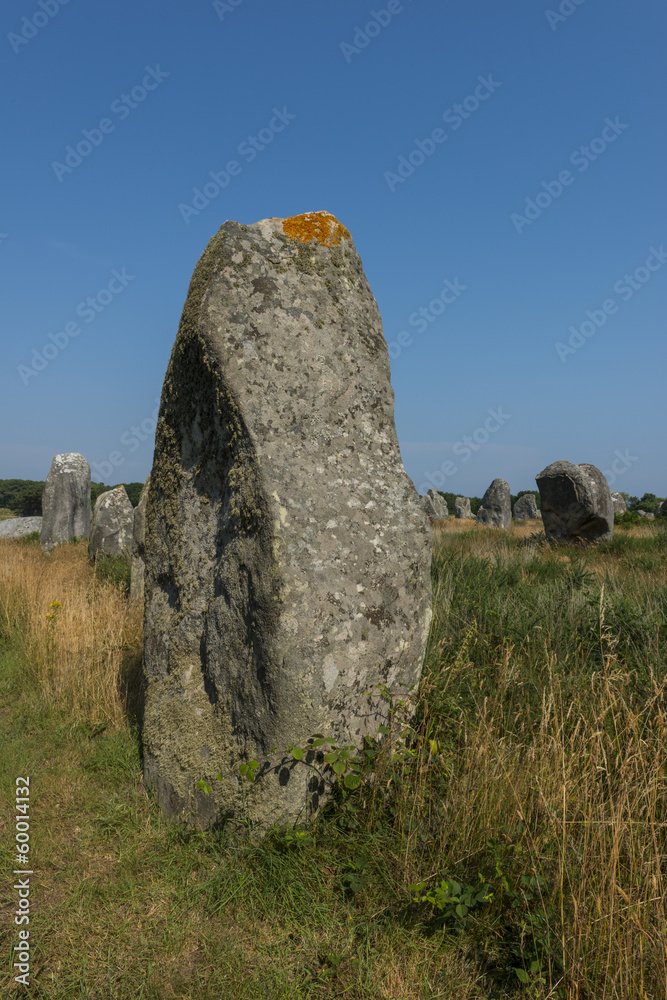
[{"x": 320, "y": 226}]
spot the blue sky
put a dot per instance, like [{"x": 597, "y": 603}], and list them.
[{"x": 519, "y": 261}]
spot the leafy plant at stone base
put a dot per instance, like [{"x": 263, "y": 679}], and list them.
[
  {"x": 516, "y": 913},
  {"x": 358, "y": 771}
]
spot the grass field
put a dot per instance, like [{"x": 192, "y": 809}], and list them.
[{"x": 514, "y": 845}]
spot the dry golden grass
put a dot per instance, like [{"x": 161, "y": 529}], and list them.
[
  {"x": 81, "y": 636},
  {"x": 589, "y": 795},
  {"x": 456, "y": 525},
  {"x": 518, "y": 529}
]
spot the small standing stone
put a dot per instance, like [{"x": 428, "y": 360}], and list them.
[
  {"x": 434, "y": 506},
  {"x": 496, "y": 509},
  {"x": 138, "y": 545},
  {"x": 65, "y": 501},
  {"x": 526, "y": 508},
  {"x": 576, "y": 503},
  {"x": 619, "y": 503},
  {"x": 462, "y": 507},
  {"x": 111, "y": 533}
]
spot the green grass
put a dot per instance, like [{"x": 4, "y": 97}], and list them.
[
  {"x": 32, "y": 538},
  {"x": 116, "y": 570},
  {"x": 512, "y": 847}
]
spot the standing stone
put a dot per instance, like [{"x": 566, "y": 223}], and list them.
[
  {"x": 287, "y": 556},
  {"x": 661, "y": 509},
  {"x": 576, "y": 503},
  {"x": 65, "y": 501},
  {"x": 111, "y": 532},
  {"x": 434, "y": 506},
  {"x": 496, "y": 509},
  {"x": 619, "y": 503},
  {"x": 526, "y": 507},
  {"x": 138, "y": 542},
  {"x": 644, "y": 513},
  {"x": 462, "y": 507}
]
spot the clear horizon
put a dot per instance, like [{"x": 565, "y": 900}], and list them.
[{"x": 500, "y": 173}]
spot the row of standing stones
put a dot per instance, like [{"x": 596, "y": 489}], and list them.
[
  {"x": 114, "y": 527},
  {"x": 281, "y": 551},
  {"x": 576, "y": 504}
]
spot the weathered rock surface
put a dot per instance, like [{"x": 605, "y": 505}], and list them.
[
  {"x": 660, "y": 509},
  {"x": 496, "y": 509},
  {"x": 619, "y": 503},
  {"x": 65, "y": 501},
  {"x": 17, "y": 527},
  {"x": 462, "y": 507},
  {"x": 287, "y": 556},
  {"x": 434, "y": 506},
  {"x": 111, "y": 532},
  {"x": 576, "y": 503},
  {"x": 526, "y": 507},
  {"x": 644, "y": 513},
  {"x": 138, "y": 543}
]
